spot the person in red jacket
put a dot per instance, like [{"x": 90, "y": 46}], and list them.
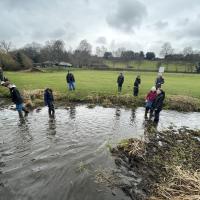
[{"x": 150, "y": 98}]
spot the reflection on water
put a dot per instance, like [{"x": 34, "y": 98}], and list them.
[
  {"x": 117, "y": 114},
  {"x": 133, "y": 116},
  {"x": 39, "y": 156},
  {"x": 52, "y": 126},
  {"x": 72, "y": 112}
]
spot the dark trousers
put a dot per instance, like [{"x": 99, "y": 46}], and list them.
[
  {"x": 135, "y": 91},
  {"x": 51, "y": 109},
  {"x": 119, "y": 87},
  {"x": 157, "y": 115}
]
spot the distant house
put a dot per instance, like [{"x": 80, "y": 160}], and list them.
[
  {"x": 48, "y": 64},
  {"x": 64, "y": 64}
]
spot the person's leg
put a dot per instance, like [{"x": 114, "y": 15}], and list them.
[
  {"x": 73, "y": 85},
  {"x": 146, "y": 111},
  {"x": 52, "y": 110},
  {"x": 19, "y": 109},
  {"x": 135, "y": 91},
  {"x": 157, "y": 116},
  {"x": 49, "y": 110}
]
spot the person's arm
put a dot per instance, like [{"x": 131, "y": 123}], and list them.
[{"x": 122, "y": 80}]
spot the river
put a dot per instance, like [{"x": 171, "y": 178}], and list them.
[{"x": 56, "y": 159}]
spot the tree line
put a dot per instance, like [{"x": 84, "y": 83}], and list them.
[{"x": 54, "y": 51}]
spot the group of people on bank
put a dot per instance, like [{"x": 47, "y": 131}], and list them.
[{"x": 154, "y": 99}]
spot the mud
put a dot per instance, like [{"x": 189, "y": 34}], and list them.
[{"x": 150, "y": 165}]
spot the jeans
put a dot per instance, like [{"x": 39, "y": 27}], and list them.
[{"x": 71, "y": 85}]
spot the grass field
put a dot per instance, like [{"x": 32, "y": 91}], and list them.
[
  {"x": 90, "y": 82},
  {"x": 146, "y": 65}
]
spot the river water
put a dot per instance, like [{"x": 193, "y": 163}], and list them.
[{"x": 56, "y": 159}]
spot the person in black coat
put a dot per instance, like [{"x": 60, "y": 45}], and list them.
[
  {"x": 49, "y": 101},
  {"x": 136, "y": 86},
  {"x": 158, "y": 104},
  {"x": 120, "y": 81},
  {"x": 1, "y": 75},
  {"x": 17, "y": 99},
  {"x": 159, "y": 81}
]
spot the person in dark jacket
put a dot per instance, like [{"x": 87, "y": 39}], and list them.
[
  {"x": 49, "y": 101},
  {"x": 17, "y": 99},
  {"x": 70, "y": 81},
  {"x": 158, "y": 104},
  {"x": 136, "y": 86},
  {"x": 120, "y": 81},
  {"x": 1, "y": 75},
  {"x": 159, "y": 81}
]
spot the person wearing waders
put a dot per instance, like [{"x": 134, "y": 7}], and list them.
[
  {"x": 159, "y": 81},
  {"x": 150, "y": 98},
  {"x": 136, "y": 86},
  {"x": 120, "y": 81},
  {"x": 70, "y": 81},
  {"x": 17, "y": 99},
  {"x": 158, "y": 104},
  {"x": 49, "y": 101}
]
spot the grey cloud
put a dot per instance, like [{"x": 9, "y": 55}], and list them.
[
  {"x": 128, "y": 15},
  {"x": 101, "y": 40},
  {"x": 161, "y": 24}
]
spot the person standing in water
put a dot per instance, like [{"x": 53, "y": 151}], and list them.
[
  {"x": 120, "y": 81},
  {"x": 150, "y": 98},
  {"x": 49, "y": 101},
  {"x": 136, "y": 86},
  {"x": 17, "y": 99},
  {"x": 158, "y": 104}
]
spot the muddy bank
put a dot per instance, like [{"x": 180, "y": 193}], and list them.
[
  {"x": 34, "y": 98},
  {"x": 165, "y": 165}
]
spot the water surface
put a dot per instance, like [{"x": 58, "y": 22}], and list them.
[{"x": 42, "y": 158}]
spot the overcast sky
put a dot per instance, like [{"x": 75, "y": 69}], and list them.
[{"x": 133, "y": 24}]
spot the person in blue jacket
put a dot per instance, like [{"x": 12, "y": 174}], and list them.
[{"x": 49, "y": 101}]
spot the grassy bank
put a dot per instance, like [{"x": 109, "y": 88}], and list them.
[{"x": 182, "y": 90}]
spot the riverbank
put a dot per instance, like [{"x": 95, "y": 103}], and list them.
[
  {"x": 34, "y": 98},
  {"x": 165, "y": 165}
]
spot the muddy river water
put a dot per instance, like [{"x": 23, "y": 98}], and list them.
[{"x": 56, "y": 159}]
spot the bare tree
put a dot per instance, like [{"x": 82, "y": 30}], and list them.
[
  {"x": 100, "y": 51},
  {"x": 85, "y": 46},
  {"x": 166, "y": 49},
  {"x": 5, "y": 46},
  {"x": 118, "y": 52},
  {"x": 187, "y": 51}
]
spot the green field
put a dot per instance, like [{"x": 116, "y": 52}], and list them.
[
  {"x": 90, "y": 82},
  {"x": 145, "y": 65}
]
